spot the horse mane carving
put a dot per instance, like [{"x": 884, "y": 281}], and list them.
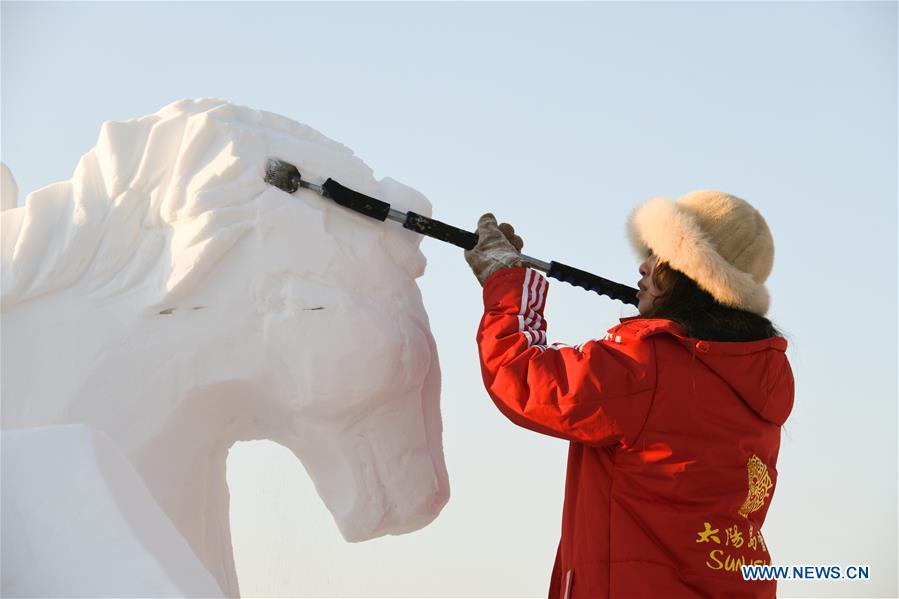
[{"x": 186, "y": 178}]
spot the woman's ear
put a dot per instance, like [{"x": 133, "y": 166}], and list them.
[{"x": 662, "y": 274}]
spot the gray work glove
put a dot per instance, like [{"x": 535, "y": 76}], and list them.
[{"x": 498, "y": 247}]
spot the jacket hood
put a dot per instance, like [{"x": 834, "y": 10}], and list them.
[{"x": 757, "y": 371}]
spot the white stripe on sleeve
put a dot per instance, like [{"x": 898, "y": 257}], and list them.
[{"x": 525, "y": 299}]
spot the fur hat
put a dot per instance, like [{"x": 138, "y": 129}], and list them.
[{"x": 718, "y": 240}]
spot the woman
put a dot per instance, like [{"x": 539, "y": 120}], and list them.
[{"x": 674, "y": 416}]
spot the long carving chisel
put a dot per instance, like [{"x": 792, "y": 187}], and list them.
[{"x": 287, "y": 177}]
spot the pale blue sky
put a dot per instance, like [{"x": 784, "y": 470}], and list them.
[{"x": 559, "y": 118}]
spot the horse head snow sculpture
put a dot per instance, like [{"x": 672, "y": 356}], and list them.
[{"x": 168, "y": 297}]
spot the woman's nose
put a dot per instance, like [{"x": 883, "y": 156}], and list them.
[{"x": 643, "y": 269}]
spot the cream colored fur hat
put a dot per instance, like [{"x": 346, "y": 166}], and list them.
[{"x": 718, "y": 240}]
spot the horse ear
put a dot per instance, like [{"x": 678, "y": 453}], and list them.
[
  {"x": 9, "y": 191},
  {"x": 402, "y": 197},
  {"x": 403, "y": 245}
]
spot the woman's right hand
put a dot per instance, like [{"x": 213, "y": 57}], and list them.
[{"x": 498, "y": 247}]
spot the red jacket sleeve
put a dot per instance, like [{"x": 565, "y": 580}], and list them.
[{"x": 597, "y": 393}]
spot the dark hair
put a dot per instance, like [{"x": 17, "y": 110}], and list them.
[{"x": 700, "y": 314}]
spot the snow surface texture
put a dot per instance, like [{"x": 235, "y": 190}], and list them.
[
  {"x": 168, "y": 297},
  {"x": 9, "y": 191},
  {"x": 72, "y": 507}
]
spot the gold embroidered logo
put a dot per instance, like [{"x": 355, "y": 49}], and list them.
[{"x": 759, "y": 485}]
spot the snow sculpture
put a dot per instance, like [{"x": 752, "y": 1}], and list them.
[
  {"x": 168, "y": 297},
  {"x": 9, "y": 191},
  {"x": 79, "y": 522}
]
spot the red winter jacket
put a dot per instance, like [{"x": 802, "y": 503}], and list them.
[{"x": 674, "y": 441}]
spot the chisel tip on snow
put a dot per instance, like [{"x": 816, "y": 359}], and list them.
[{"x": 282, "y": 175}]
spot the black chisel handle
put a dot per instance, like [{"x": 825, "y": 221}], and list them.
[
  {"x": 439, "y": 230},
  {"x": 285, "y": 176},
  {"x": 354, "y": 200},
  {"x": 591, "y": 282}
]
